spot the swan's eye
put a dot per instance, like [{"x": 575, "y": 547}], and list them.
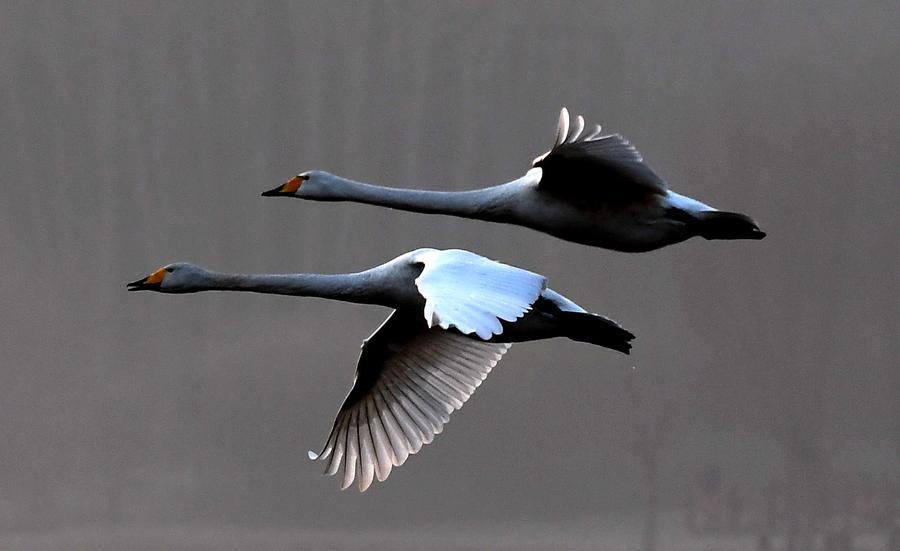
[{"x": 170, "y": 269}]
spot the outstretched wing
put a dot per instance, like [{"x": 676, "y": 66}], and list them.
[
  {"x": 472, "y": 293},
  {"x": 408, "y": 380},
  {"x": 588, "y": 164}
]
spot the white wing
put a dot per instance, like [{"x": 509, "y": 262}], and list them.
[
  {"x": 472, "y": 293},
  {"x": 408, "y": 380}
]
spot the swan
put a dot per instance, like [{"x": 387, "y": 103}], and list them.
[
  {"x": 455, "y": 314},
  {"x": 588, "y": 188}
]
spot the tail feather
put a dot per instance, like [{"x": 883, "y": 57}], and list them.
[
  {"x": 595, "y": 329},
  {"x": 726, "y": 225}
]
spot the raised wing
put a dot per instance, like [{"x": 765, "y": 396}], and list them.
[
  {"x": 588, "y": 164},
  {"x": 472, "y": 293},
  {"x": 408, "y": 380}
]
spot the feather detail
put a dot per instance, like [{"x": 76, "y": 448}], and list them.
[
  {"x": 409, "y": 380},
  {"x": 468, "y": 292}
]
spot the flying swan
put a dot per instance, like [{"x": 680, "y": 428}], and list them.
[
  {"x": 591, "y": 189},
  {"x": 455, "y": 314}
]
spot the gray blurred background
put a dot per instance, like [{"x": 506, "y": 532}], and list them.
[{"x": 763, "y": 403}]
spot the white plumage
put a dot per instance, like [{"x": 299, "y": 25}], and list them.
[{"x": 473, "y": 294}]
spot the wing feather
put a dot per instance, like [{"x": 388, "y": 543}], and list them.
[
  {"x": 399, "y": 444},
  {"x": 446, "y": 396},
  {"x": 593, "y": 134},
  {"x": 418, "y": 393},
  {"x": 472, "y": 293},
  {"x": 562, "y": 127},
  {"x": 590, "y": 164},
  {"x": 411, "y": 402},
  {"x": 352, "y": 450},
  {"x": 367, "y": 457},
  {"x": 407, "y": 425},
  {"x": 338, "y": 455},
  {"x": 409, "y": 379},
  {"x": 384, "y": 457},
  {"x": 576, "y": 130}
]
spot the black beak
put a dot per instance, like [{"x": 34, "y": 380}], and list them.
[
  {"x": 273, "y": 192},
  {"x": 142, "y": 285},
  {"x": 757, "y": 234}
]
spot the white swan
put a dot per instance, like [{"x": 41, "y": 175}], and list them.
[
  {"x": 456, "y": 313},
  {"x": 590, "y": 189}
]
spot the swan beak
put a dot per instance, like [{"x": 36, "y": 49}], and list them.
[
  {"x": 150, "y": 283},
  {"x": 288, "y": 188}
]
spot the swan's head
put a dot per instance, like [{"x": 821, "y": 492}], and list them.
[
  {"x": 311, "y": 184},
  {"x": 180, "y": 277}
]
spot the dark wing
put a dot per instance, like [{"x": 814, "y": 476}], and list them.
[
  {"x": 591, "y": 165},
  {"x": 409, "y": 380}
]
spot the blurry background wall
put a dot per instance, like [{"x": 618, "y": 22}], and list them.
[{"x": 136, "y": 133}]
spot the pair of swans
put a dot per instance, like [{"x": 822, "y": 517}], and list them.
[{"x": 456, "y": 313}]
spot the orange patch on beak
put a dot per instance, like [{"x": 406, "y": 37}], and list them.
[
  {"x": 292, "y": 185},
  {"x": 156, "y": 277}
]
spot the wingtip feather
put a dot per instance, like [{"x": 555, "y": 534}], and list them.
[
  {"x": 576, "y": 130},
  {"x": 562, "y": 128}
]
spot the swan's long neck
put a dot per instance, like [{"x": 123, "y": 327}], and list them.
[
  {"x": 485, "y": 204},
  {"x": 346, "y": 287}
]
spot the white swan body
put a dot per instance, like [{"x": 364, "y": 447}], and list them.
[
  {"x": 455, "y": 314},
  {"x": 589, "y": 188}
]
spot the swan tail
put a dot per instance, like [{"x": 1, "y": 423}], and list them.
[
  {"x": 595, "y": 329},
  {"x": 726, "y": 225}
]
